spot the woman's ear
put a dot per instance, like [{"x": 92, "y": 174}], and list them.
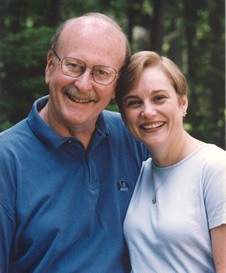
[
  {"x": 184, "y": 105},
  {"x": 49, "y": 66}
]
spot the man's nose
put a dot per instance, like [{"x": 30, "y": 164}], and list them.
[{"x": 84, "y": 82}]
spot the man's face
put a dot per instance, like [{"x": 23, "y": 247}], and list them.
[{"x": 77, "y": 102}]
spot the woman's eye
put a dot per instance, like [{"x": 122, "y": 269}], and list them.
[
  {"x": 134, "y": 103},
  {"x": 159, "y": 98}
]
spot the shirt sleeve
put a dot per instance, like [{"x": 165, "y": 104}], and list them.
[
  {"x": 214, "y": 177},
  {"x": 7, "y": 211}
]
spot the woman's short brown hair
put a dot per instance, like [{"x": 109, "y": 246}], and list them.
[{"x": 138, "y": 62}]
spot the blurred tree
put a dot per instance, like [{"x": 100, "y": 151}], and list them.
[
  {"x": 23, "y": 53},
  {"x": 157, "y": 26},
  {"x": 190, "y": 32},
  {"x": 204, "y": 31},
  {"x": 214, "y": 77}
]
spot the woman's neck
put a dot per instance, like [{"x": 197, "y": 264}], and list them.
[{"x": 170, "y": 154}]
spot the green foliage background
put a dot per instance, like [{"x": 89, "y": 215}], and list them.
[{"x": 190, "y": 32}]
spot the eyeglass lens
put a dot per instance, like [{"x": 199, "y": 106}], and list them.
[{"x": 75, "y": 68}]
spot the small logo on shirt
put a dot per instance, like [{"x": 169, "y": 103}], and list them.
[{"x": 123, "y": 185}]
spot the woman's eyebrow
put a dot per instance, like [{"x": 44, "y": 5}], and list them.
[
  {"x": 130, "y": 97},
  {"x": 135, "y": 97}
]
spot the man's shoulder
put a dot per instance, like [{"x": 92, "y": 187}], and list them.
[
  {"x": 13, "y": 131},
  {"x": 115, "y": 126},
  {"x": 15, "y": 138},
  {"x": 112, "y": 115},
  {"x": 113, "y": 119},
  {"x": 121, "y": 134}
]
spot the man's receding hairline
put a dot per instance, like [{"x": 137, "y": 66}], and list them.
[
  {"x": 99, "y": 17},
  {"x": 89, "y": 17}
]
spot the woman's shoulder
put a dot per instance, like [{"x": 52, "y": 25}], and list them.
[
  {"x": 211, "y": 151},
  {"x": 211, "y": 157}
]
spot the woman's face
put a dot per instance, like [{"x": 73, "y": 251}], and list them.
[{"x": 153, "y": 110}]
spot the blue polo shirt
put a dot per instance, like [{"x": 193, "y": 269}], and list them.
[{"x": 61, "y": 207}]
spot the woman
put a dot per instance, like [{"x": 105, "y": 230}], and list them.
[{"x": 176, "y": 221}]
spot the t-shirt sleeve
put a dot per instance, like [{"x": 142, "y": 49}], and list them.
[{"x": 215, "y": 188}]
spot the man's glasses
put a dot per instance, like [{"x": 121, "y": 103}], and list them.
[{"x": 74, "y": 68}]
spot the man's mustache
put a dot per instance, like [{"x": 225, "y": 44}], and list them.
[{"x": 74, "y": 93}]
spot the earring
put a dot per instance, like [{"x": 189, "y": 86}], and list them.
[{"x": 184, "y": 114}]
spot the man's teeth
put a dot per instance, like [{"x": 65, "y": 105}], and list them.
[
  {"x": 79, "y": 100},
  {"x": 152, "y": 126}
]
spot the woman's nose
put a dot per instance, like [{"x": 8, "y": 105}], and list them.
[{"x": 148, "y": 111}]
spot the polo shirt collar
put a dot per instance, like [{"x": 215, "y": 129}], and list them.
[{"x": 47, "y": 135}]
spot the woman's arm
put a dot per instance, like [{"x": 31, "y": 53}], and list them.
[{"x": 218, "y": 238}]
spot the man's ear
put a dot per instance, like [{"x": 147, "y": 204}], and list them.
[
  {"x": 49, "y": 66},
  {"x": 113, "y": 95}
]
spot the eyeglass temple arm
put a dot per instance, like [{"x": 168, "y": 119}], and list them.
[{"x": 56, "y": 54}]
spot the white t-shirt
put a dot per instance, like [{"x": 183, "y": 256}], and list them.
[{"x": 173, "y": 234}]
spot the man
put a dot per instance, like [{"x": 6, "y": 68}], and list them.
[{"x": 69, "y": 169}]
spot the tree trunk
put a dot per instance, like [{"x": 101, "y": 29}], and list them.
[
  {"x": 131, "y": 22},
  {"x": 190, "y": 21},
  {"x": 157, "y": 27},
  {"x": 216, "y": 83}
]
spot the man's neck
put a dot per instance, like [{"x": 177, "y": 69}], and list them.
[{"x": 64, "y": 130}]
